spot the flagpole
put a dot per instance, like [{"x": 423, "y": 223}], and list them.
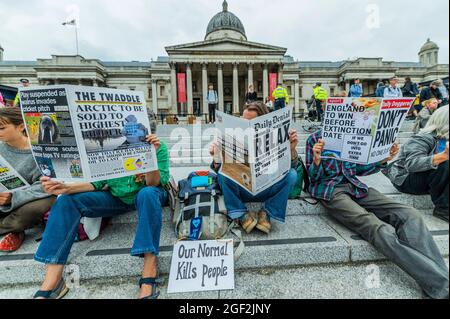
[
  {"x": 74, "y": 23},
  {"x": 76, "y": 38}
]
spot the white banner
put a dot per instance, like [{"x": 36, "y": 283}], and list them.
[{"x": 202, "y": 266}]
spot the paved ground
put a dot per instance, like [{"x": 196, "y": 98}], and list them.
[{"x": 380, "y": 280}]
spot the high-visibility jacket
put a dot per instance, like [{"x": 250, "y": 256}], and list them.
[
  {"x": 320, "y": 94},
  {"x": 281, "y": 93},
  {"x": 17, "y": 100}
]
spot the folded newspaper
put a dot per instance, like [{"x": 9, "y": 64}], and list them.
[
  {"x": 255, "y": 154},
  {"x": 10, "y": 179},
  {"x": 88, "y": 134},
  {"x": 363, "y": 130}
]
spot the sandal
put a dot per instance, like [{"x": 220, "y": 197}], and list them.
[
  {"x": 151, "y": 282},
  {"x": 59, "y": 292}
]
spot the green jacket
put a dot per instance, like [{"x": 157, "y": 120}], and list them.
[{"x": 126, "y": 188}]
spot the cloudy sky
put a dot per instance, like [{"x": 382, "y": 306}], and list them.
[{"x": 114, "y": 30}]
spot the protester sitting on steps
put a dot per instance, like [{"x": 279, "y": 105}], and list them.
[
  {"x": 25, "y": 208},
  {"x": 428, "y": 93},
  {"x": 396, "y": 230},
  {"x": 275, "y": 198},
  {"x": 144, "y": 193},
  {"x": 423, "y": 116},
  {"x": 422, "y": 167}
]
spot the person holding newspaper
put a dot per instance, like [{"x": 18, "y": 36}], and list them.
[
  {"x": 396, "y": 230},
  {"x": 424, "y": 115},
  {"x": 275, "y": 198},
  {"x": 423, "y": 165},
  {"x": 22, "y": 209},
  {"x": 143, "y": 192}
]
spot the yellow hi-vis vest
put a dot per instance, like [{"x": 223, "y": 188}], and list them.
[
  {"x": 17, "y": 100},
  {"x": 281, "y": 93},
  {"x": 320, "y": 94}
]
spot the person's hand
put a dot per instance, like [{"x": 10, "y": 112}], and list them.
[
  {"x": 154, "y": 140},
  {"x": 214, "y": 151},
  {"x": 5, "y": 199},
  {"x": 395, "y": 149},
  {"x": 445, "y": 153},
  {"x": 293, "y": 138},
  {"x": 318, "y": 149},
  {"x": 52, "y": 187},
  {"x": 440, "y": 158}
]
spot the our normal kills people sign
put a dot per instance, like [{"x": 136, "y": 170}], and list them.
[{"x": 202, "y": 266}]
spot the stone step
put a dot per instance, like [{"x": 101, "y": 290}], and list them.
[
  {"x": 302, "y": 241},
  {"x": 302, "y": 208},
  {"x": 309, "y": 206},
  {"x": 333, "y": 282},
  {"x": 308, "y": 237}
]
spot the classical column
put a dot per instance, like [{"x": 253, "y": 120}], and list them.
[
  {"x": 205, "y": 87},
  {"x": 265, "y": 81},
  {"x": 347, "y": 86},
  {"x": 280, "y": 73},
  {"x": 236, "y": 110},
  {"x": 95, "y": 83},
  {"x": 220, "y": 86},
  {"x": 250, "y": 74},
  {"x": 190, "y": 96},
  {"x": 297, "y": 95},
  {"x": 173, "y": 88},
  {"x": 155, "y": 96}
]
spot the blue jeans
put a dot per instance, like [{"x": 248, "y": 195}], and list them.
[
  {"x": 66, "y": 213},
  {"x": 275, "y": 198},
  {"x": 280, "y": 104}
]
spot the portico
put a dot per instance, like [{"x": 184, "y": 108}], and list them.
[{"x": 230, "y": 65}]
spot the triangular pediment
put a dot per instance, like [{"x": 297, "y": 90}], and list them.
[{"x": 224, "y": 46}]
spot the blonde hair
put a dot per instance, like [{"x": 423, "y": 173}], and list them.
[
  {"x": 438, "y": 123},
  {"x": 428, "y": 102}
]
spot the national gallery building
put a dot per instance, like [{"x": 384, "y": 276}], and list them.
[{"x": 228, "y": 60}]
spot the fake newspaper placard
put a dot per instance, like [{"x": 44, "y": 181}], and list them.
[
  {"x": 255, "y": 154},
  {"x": 202, "y": 266},
  {"x": 10, "y": 179},
  {"x": 363, "y": 130},
  {"x": 88, "y": 133}
]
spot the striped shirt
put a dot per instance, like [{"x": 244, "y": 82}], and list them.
[{"x": 331, "y": 173}]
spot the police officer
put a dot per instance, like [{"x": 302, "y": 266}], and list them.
[
  {"x": 281, "y": 97},
  {"x": 321, "y": 96},
  {"x": 25, "y": 83}
]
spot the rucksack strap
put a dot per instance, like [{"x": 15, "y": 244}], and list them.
[
  {"x": 239, "y": 250},
  {"x": 212, "y": 211}
]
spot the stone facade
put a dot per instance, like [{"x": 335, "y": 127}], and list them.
[{"x": 227, "y": 60}]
